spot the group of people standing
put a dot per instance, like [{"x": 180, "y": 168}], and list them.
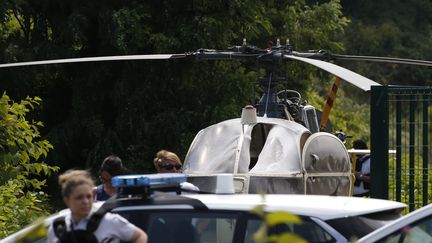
[
  {"x": 164, "y": 162},
  {"x": 79, "y": 192}
]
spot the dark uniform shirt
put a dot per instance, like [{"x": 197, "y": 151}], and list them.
[{"x": 101, "y": 195}]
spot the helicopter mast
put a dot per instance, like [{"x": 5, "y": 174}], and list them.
[{"x": 269, "y": 104}]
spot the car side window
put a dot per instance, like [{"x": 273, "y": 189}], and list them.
[
  {"x": 185, "y": 226},
  {"x": 419, "y": 231},
  {"x": 308, "y": 230},
  {"x": 312, "y": 232},
  {"x": 215, "y": 226},
  {"x": 214, "y": 230}
]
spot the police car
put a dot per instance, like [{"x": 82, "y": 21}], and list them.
[{"x": 153, "y": 203}]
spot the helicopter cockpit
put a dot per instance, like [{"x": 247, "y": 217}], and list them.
[{"x": 298, "y": 111}]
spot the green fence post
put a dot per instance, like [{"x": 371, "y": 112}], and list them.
[
  {"x": 412, "y": 151},
  {"x": 398, "y": 179},
  {"x": 426, "y": 98},
  {"x": 379, "y": 142}
]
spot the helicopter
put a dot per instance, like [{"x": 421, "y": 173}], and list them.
[{"x": 277, "y": 145}]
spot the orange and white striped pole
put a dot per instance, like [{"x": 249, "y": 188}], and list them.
[{"x": 329, "y": 104}]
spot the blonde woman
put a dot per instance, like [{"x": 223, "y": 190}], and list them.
[
  {"x": 77, "y": 190},
  {"x": 168, "y": 162}
]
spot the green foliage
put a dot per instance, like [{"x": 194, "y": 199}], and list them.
[
  {"x": 21, "y": 165},
  {"x": 347, "y": 114},
  {"x": 391, "y": 29},
  {"x": 134, "y": 109},
  {"x": 314, "y": 26}
]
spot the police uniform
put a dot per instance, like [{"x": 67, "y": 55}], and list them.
[{"x": 112, "y": 226}]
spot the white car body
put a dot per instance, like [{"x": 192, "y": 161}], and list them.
[
  {"x": 323, "y": 207},
  {"x": 318, "y": 208},
  {"x": 405, "y": 229}
]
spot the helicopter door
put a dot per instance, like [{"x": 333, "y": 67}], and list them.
[
  {"x": 326, "y": 165},
  {"x": 258, "y": 138}
]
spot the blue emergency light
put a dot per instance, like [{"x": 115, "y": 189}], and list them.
[{"x": 148, "y": 180}]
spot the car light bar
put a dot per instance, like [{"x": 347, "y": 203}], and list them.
[{"x": 148, "y": 180}]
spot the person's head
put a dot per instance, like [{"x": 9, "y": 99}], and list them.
[
  {"x": 167, "y": 162},
  {"x": 359, "y": 144},
  {"x": 111, "y": 166},
  {"x": 77, "y": 191}
]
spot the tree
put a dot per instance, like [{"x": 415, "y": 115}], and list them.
[
  {"x": 22, "y": 152},
  {"x": 347, "y": 114},
  {"x": 136, "y": 108},
  {"x": 393, "y": 29}
]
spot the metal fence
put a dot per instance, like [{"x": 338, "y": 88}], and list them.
[{"x": 401, "y": 121}]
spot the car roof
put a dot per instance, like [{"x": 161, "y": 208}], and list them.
[
  {"x": 324, "y": 207},
  {"x": 397, "y": 224}
]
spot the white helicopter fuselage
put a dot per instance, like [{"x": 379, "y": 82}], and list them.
[{"x": 272, "y": 155}]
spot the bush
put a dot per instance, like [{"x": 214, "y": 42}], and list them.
[{"x": 21, "y": 166}]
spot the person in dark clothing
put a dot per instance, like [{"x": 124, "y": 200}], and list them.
[
  {"x": 111, "y": 166},
  {"x": 362, "y": 173}
]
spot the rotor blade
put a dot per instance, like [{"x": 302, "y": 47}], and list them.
[
  {"x": 96, "y": 59},
  {"x": 383, "y": 59},
  {"x": 343, "y": 73}
]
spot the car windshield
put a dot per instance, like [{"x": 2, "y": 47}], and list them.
[
  {"x": 356, "y": 227},
  {"x": 212, "y": 226},
  {"x": 420, "y": 231}
]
